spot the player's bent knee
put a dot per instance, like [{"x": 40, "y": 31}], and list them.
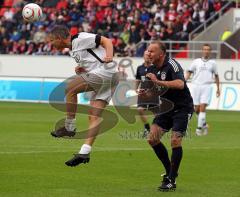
[
  {"x": 140, "y": 110},
  {"x": 70, "y": 91},
  {"x": 152, "y": 142},
  {"x": 94, "y": 118},
  {"x": 176, "y": 142},
  {"x": 197, "y": 110}
]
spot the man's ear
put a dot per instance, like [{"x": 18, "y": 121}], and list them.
[{"x": 161, "y": 54}]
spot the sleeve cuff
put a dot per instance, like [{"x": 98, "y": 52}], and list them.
[{"x": 97, "y": 40}]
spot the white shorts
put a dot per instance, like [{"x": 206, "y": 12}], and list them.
[
  {"x": 200, "y": 93},
  {"x": 104, "y": 87}
]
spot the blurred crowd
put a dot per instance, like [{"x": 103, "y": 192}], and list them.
[{"x": 126, "y": 22}]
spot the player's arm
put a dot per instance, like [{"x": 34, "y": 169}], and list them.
[
  {"x": 217, "y": 81},
  {"x": 174, "y": 84},
  {"x": 137, "y": 82},
  {"x": 218, "y": 85},
  {"x": 86, "y": 41},
  {"x": 190, "y": 70},
  {"x": 79, "y": 69},
  {"x": 108, "y": 46}
]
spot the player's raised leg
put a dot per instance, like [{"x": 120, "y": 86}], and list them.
[{"x": 75, "y": 85}]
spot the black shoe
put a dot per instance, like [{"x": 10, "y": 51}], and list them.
[
  {"x": 63, "y": 132},
  {"x": 167, "y": 185},
  {"x": 145, "y": 133},
  {"x": 165, "y": 178},
  {"x": 78, "y": 159}
]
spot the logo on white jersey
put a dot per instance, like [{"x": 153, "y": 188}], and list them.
[{"x": 76, "y": 57}]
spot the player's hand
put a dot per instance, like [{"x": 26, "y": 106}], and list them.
[
  {"x": 151, "y": 76},
  {"x": 141, "y": 92},
  {"x": 79, "y": 70},
  {"x": 108, "y": 59},
  {"x": 218, "y": 93}
]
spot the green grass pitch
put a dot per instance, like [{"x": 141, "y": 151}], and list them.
[{"x": 32, "y": 162}]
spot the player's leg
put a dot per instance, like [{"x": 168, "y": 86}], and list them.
[
  {"x": 160, "y": 125},
  {"x": 142, "y": 115},
  {"x": 99, "y": 101},
  {"x": 204, "y": 101},
  {"x": 197, "y": 109},
  {"x": 94, "y": 125},
  {"x": 95, "y": 115},
  {"x": 75, "y": 85},
  {"x": 202, "y": 118},
  {"x": 160, "y": 150},
  {"x": 196, "y": 95},
  {"x": 180, "y": 123},
  {"x": 176, "y": 144},
  {"x": 199, "y": 128},
  {"x": 141, "y": 111}
]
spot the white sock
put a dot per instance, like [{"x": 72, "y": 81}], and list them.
[
  {"x": 85, "y": 149},
  {"x": 70, "y": 124},
  {"x": 201, "y": 119}
]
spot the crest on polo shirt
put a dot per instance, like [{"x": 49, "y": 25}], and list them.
[{"x": 163, "y": 76}]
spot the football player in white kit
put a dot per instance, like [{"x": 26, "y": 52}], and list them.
[
  {"x": 205, "y": 73},
  {"x": 96, "y": 73}
]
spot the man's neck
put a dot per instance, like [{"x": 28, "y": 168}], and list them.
[
  {"x": 147, "y": 64},
  {"x": 205, "y": 58}
]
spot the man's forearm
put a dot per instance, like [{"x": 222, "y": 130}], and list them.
[
  {"x": 107, "y": 45},
  {"x": 137, "y": 84},
  {"x": 175, "y": 84},
  {"x": 217, "y": 82}
]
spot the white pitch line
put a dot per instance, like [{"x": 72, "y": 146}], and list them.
[{"x": 102, "y": 149}]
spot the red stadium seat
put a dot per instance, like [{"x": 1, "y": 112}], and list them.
[
  {"x": 2, "y": 11},
  {"x": 107, "y": 19},
  {"x": 8, "y": 3},
  {"x": 62, "y": 5},
  {"x": 182, "y": 54},
  {"x": 234, "y": 56}
]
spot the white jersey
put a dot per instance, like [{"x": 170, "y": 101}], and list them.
[
  {"x": 85, "y": 41},
  {"x": 203, "y": 71}
]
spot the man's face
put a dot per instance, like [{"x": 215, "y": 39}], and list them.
[
  {"x": 59, "y": 43},
  {"x": 206, "y": 52},
  {"x": 154, "y": 53},
  {"x": 146, "y": 58}
]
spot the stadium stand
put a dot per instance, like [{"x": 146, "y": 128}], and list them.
[{"x": 126, "y": 22}]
